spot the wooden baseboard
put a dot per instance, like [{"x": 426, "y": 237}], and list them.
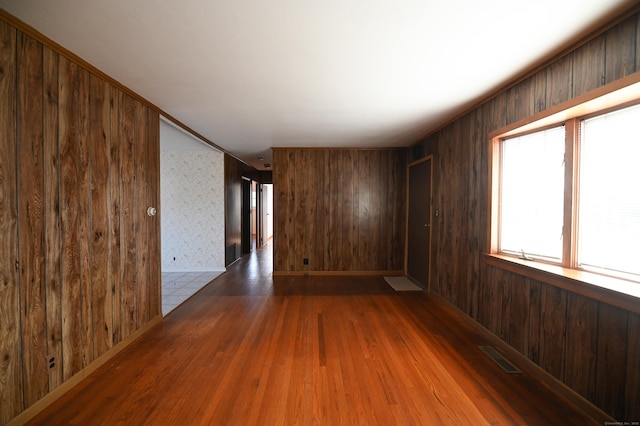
[
  {"x": 529, "y": 366},
  {"x": 52, "y": 396},
  {"x": 337, "y": 273}
]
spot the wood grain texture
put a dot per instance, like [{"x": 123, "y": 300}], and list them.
[
  {"x": 69, "y": 182},
  {"x": 588, "y": 65},
  {"x": 582, "y": 333},
  {"x": 53, "y": 234},
  {"x": 101, "y": 272},
  {"x": 153, "y": 179},
  {"x": 11, "y": 381},
  {"x": 309, "y": 350},
  {"x": 341, "y": 209},
  {"x": 611, "y": 373},
  {"x": 60, "y": 222},
  {"x": 621, "y": 50},
  {"x": 84, "y": 217},
  {"x": 31, "y": 218},
  {"x": 632, "y": 391},
  {"x": 115, "y": 217},
  {"x": 128, "y": 252},
  {"x": 140, "y": 217},
  {"x": 560, "y": 81}
]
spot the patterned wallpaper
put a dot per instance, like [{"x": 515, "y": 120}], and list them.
[{"x": 192, "y": 216}]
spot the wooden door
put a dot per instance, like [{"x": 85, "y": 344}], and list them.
[{"x": 419, "y": 221}]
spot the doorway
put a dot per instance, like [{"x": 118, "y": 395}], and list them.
[
  {"x": 419, "y": 221},
  {"x": 247, "y": 215},
  {"x": 192, "y": 231}
]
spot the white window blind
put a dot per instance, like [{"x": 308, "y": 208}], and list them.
[
  {"x": 532, "y": 194},
  {"x": 609, "y": 195}
]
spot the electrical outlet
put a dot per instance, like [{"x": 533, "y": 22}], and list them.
[
  {"x": 305, "y": 261},
  {"x": 52, "y": 363}
]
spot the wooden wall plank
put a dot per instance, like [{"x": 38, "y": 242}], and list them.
[
  {"x": 311, "y": 246},
  {"x": 553, "y": 329},
  {"x": 588, "y": 66},
  {"x": 31, "y": 218},
  {"x": 153, "y": 180},
  {"x": 559, "y": 81},
  {"x": 621, "y": 50},
  {"x": 323, "y": 211},
  {"x": 611, "y": 371},
  {"x": 358, "y": 180},
  {"x": 70, "y": 246},
  {"x": 363, "y": 242},
  {"x": 139, "y": 215},
  {"x": 336, "y": 181},
  {"x": 540, "y": 91},
  {"x": 632, "y": 391},
  {"x": 53, "y": 234},
  {"x": 525, "y": 99},
  {"x": 100, "y": 158},
  {"x": 298, "y": 250},
  {"x": 347, "y": 248},
  {"x": 84, "y": 217},
  {"x": 582, "y": 340},
  {"x": 115, "y": 218},
  {"x": 128, "y": 203},
  {"x": 519, "y": 314},
  {"x": 373, "y": 224},
  {"x": 11, "y": 400},
  {"x": 280, "y": 197},
  {"x": 535, "y": 320},
  {"x": 291, "y": 219},
  {"x": 384, "y": 224},
  {"x": 398, "y": 210},
  {"x": 510, "y": 105},
  {"x": 637, "y": 39}
]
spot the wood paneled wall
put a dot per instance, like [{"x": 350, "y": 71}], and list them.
[
  {"x": 79, "y": 270},
  {"x": 589, "y": 345},
  {"x": 343, "y": 209}
]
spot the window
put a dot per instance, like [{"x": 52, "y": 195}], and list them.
[
  {"x": 609, "y": 195},
  {"x": 532, "y": 194},
  {"x": 568, "y": 192}
]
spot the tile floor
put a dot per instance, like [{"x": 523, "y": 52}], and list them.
[{"x": 179, "y": 286}]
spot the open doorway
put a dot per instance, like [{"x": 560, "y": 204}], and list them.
[
  {"x": 191, "y": 214},
  {"x": 266, "y": 214},
  {"x": 257, "y": 214}
]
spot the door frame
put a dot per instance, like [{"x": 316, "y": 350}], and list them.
[{"x": 406, "y": 242}]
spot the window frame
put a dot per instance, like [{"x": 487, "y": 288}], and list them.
[{"x": 617, "y": 95}]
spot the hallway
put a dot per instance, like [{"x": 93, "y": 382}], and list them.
[{"x": 248, "y": 349}]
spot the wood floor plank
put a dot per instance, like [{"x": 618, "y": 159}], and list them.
[{"x": 249, "y": 349}]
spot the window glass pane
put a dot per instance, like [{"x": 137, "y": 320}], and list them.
[
  {"x": 532, "y": 198},
  {"x": 609, "y": 200}
]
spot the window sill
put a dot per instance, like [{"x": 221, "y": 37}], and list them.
[{"x": 617, "y": 292}]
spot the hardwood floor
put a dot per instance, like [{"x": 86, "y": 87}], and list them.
[{"x": 248, "y": 349}]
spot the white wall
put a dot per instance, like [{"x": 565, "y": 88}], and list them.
[{"x": 192, "y": 202}]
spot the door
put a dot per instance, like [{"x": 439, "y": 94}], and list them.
[
  {"x": 419, "y": 221},
  {"x": 246, "y": 215}
]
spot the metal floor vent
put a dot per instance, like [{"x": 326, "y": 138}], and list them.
[{"x": 500, "y": 360}]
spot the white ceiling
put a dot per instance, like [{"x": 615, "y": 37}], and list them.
[{"x": 254, "y": 74}]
